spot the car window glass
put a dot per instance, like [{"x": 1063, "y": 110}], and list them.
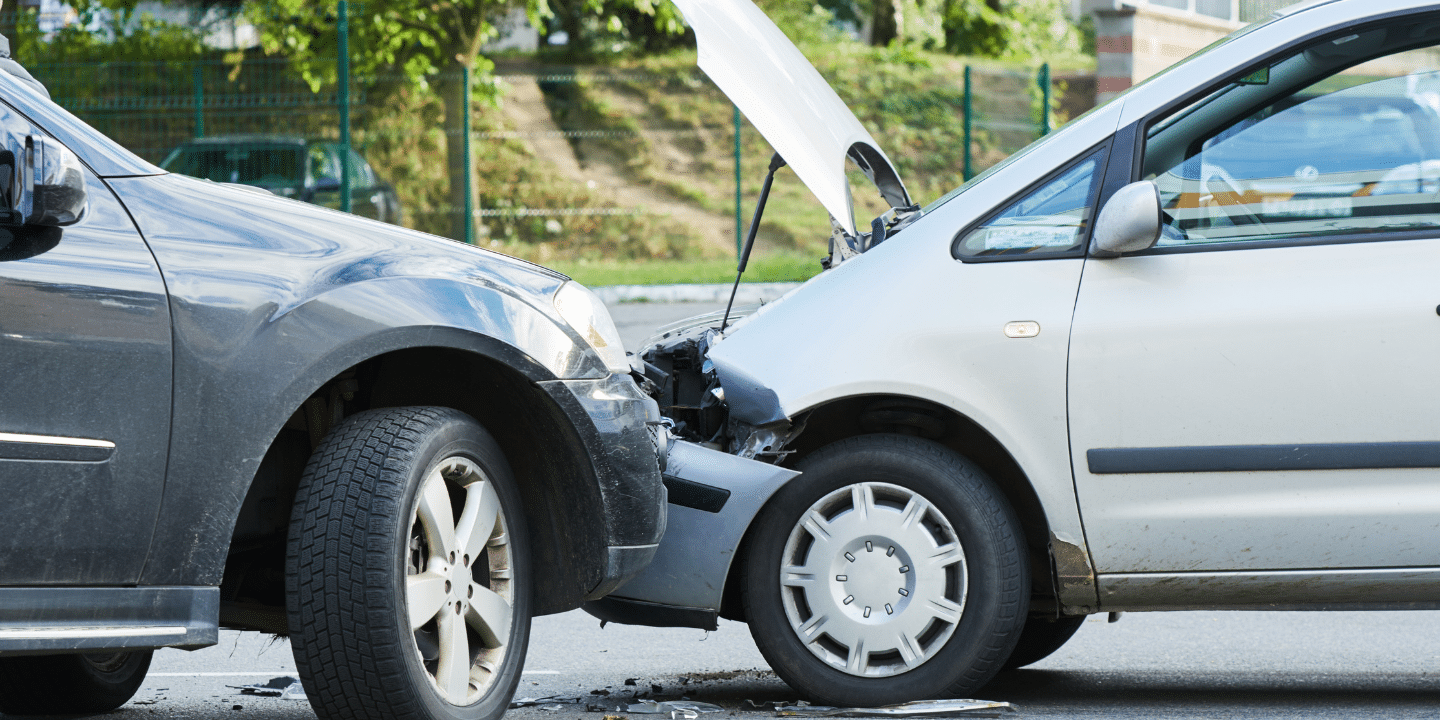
[
  {"x": 360, "y": 175},
  {"x": 1049, "y": 220},
  {"x": 272, "y": 166},
  {"x": 1306, "y": 152},
  {"x": 323, "y": 163}
]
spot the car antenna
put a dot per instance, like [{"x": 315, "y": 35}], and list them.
[{"x": 776, "y": 162}]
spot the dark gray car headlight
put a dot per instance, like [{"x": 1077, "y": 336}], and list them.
[{"x": 585, "y": 312}]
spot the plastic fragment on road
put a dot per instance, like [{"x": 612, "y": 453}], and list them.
[
  {"x": 284, "y": 687},
  {"x": 555, "y": 700},
  {"x": 676, "y": 709},
  {"x": 919, "y": 708}
]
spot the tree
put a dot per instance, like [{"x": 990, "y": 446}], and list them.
[
  {"x": 101, "y": 31},
  {"x": 596, "y": 26},
  {"x": 430, "y": 43}
]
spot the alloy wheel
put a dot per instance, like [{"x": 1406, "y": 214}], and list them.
[{"x": 458, "y": 584}]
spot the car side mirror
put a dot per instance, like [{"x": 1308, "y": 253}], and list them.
[
  {"x": 327, "y": 184},
  {"x": 1129, "y": 222},
  {"x": 41, "y": 183}
]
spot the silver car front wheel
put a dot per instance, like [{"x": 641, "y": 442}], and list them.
[
  {"x": 874, "y": 579},
  {"x": 890, "y": 570}
]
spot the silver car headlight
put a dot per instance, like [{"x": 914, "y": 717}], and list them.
[{"x": 588, "y": 316}]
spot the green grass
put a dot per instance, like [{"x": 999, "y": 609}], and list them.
[{"x": 773, "y": 268}]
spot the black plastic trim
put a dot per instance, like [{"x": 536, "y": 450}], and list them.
[
  {"x": 1338, "y": 239},
  {"x": 1264, "y": 458},
  {"x": 698, "y": 496},
  {"x": 636, "y": 612}
]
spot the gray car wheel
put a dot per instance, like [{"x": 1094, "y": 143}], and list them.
[
  {"x": 70, "y": 684},
  {"x": 889, "y": 570},
  {"x": 1041, "y": 637},
  {"x": 407, "y": 570}
]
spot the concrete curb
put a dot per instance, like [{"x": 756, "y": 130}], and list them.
[{"x": 749, "y": 293}]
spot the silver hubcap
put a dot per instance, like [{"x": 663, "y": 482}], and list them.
[
  {"x": 457, "y": 584},
  {"x": 873, "y": 579}
]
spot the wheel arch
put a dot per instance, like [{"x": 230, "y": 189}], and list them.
[
  {"x": 490, "y": 381},
  {"x": 868, "y": 414}
]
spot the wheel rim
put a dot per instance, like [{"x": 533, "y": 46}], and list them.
[
  {"x": 873, "y": 579},
  {"x": 458, "y": 588}
]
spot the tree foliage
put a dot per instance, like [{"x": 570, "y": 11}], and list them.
[
  {"x": 605, "y": 27},
  {"x": 1023, "y": 30},
  {"x": 103, "y": 31}
]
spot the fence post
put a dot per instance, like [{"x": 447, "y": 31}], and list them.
[
  {"x": 469, "y": 160},
  {"x": 1044, "y": 81},
  {"x": 342, "y": 28},
  {"x": 199, "y": 101},
  {"x": 738, "y": 221},
  {"x": 969, "y": 120}
]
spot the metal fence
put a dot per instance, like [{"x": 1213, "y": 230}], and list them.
[{"x": 644, "y": 161}]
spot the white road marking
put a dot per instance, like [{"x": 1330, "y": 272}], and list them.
[{"x": 275, "y": 673}]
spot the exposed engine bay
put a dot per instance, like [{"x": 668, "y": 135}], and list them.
[{"x": 683, "y": 380}]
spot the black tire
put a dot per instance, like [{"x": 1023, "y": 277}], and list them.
[
  {"x": 989, "y": 583},
  {"x": 70, "y": 684},
  {"x": 360, "y": 561},
  {"x": 1041, "y": 637}
]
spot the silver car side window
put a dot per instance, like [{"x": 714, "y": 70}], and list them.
[
  {"x": 1049, "y": 220},
  {"x": 1327, "y": 153}
]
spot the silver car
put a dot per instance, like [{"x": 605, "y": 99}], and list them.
[{"x": 1178, "y": 355}]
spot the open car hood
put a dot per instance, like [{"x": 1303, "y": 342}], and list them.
[{"x": 783, "y": 95}]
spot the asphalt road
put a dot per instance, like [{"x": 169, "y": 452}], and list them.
[{"x": 1161, "y": 665}]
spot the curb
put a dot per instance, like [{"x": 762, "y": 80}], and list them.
[{"x": 748, "y": 293}]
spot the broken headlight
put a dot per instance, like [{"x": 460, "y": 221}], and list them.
[{"x": 584, "y": 311}]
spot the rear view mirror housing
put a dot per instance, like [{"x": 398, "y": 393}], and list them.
[
  {"x": 41, "y": 182},
  {"x": 1129, "y": 222}
]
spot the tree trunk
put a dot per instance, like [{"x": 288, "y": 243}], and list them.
[
  {"x": 882, "y": 23},
  {"x": 573, "y": 23},
  {"x": 452, "y": 93}
]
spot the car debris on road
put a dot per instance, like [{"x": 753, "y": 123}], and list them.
[
  {"x": 285, "y": 687},
  {"x": 919, "y": 708}
]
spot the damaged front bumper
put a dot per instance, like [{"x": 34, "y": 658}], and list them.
[
  {"x": 714, "y": 496},
  {"x": 626, "y": 441}
]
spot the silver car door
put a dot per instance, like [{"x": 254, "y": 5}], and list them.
[{"x": 1257, "y": 392}]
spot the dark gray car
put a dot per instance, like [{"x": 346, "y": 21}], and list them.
[{"x": 224, "y": 408}]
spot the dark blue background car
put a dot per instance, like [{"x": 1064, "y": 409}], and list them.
[{"x": 290, "y": 167}]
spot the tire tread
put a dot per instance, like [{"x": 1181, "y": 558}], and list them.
[{"x": 347, "y": 646}]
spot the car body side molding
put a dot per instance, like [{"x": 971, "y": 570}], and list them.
[
  {"x": 1264, "y": 458},
  {"x": 1349, "y": 589}
]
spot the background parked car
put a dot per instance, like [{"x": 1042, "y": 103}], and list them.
[
  {"x": 307, "y": 170},
  {"x": 227, "y": 409}
]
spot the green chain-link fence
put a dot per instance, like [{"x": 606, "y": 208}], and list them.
[{"x": 621, "y": 162}]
